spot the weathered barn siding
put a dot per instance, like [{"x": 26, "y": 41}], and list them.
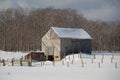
[
  {"x": 86, "y": 46},
  {"x": 59, "y": 42},
  {"x": 35, "y": 56},
  {"x": 75, "y": 46}
]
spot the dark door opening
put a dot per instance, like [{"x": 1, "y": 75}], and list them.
[{"x": 51, "y": 57}]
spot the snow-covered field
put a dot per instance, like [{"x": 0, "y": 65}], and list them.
[{"x": 73, "y": 67}]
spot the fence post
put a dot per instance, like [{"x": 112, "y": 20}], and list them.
[
  {"x": 29, "y": 63},
  {"x": 65, "y": 58},
  {"x": 3, "y": 62},
  {"x": 116, "y": 65},
  {"x": 41, "y": 63},
  {"x": 0, "y": 59},
  {"x": 73, "y": 56},
  {"x": 54, "y": 63},
  {"x": 80, "y": 55},
  {"x": 102, "y": 60},
  {"x": 21, "y": 62},
  {"x": 82, "y": 64},
  {"x": 67, "y": 64},
  {"x": 113, "y": 56},
  {"x": 12, "y": 61},
  {"x": 69, "y": 57},
  {"x": 111, "y": 60},
  {"x": 81, "y": 60},
  {"x": 62, "y": 62},
  {"x": 99, "y": 64},
  {"x": 94, "y": 56},
  {"x": 91, "y": 60},
  {"x": 72, "y": 62},
  {"x": 102, "y": 56}
]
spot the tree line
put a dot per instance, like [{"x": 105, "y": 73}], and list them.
[{"x": 22, "y": 30}]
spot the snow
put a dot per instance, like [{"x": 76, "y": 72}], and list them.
[
  {"x": 72, "y": 33},
  {"x": 57, "y": 73},
  {"x": 10, "y": 55},
  {"x": 72, "y": 67}
]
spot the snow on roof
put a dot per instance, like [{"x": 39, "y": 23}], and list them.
[
  {"x": 39, "y": 52},
  {"x": 75, "y": 33}
]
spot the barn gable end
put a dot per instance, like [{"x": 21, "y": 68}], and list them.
[{"x": 51, "y": 45}]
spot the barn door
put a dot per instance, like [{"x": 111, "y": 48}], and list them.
[{"x": 51, "y": 53}]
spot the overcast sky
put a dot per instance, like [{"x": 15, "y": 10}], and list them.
[{"x": 106, "y": 10}]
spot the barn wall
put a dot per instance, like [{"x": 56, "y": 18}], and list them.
[
  {"x": 65, "y": 46},
  {"x": 86, "y": 46},
  {"x": 51, "y": 44},
  {"x": 46, "y": 42},
  {"x": 69, "y": 46}
]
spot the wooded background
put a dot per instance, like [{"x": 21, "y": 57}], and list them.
[{"x": 22, "y": 30}]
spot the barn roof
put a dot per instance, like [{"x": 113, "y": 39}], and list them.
[{"x": 76, "y": 33}]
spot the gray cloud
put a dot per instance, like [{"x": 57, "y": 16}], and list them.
[{"x": 107, "y": 10}]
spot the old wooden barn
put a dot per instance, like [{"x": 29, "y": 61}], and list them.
[{"x": 58, "y": 42}]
